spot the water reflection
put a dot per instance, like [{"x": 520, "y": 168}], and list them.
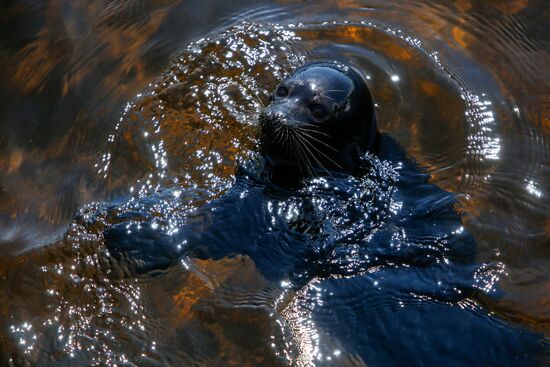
[{"x": 462, "y": 85}]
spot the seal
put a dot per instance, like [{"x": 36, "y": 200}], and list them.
[
  {"x": 320, "y": 119},
  {"x": 371, "y": 237}
]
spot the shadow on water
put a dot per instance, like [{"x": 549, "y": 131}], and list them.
[{"x": 134, "y": 115}]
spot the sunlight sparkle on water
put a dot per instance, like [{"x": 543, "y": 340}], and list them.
[{"x": 532, "y": 188}]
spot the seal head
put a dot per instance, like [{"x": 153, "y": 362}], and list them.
[{"x": 320, "y": 119}]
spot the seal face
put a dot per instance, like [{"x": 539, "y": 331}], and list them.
[{"x": 321, "y": 118}]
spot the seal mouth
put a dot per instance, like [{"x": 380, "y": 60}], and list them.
[{"x": 296, "y": 143}]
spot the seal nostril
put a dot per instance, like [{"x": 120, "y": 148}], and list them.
[
  {"x": 269, "y": 122},
  {"x": 275, "y": 116}
]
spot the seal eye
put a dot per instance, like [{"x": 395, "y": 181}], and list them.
[
  {"x": 281, "y": 91},
  {"x": 318, "y": 111}
]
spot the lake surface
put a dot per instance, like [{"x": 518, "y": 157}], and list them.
[{"x": 140, "y": 111}]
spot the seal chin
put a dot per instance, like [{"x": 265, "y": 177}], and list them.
[{"x": 320, "y": 119}]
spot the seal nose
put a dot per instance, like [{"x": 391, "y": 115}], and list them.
[
  {"x": 275, "y": 115},
  {"x": 269, "y": 122}
]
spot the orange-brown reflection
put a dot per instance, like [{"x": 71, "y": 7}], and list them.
[
  {"x": 228, "y": 302},
  {"x": 186, "y": 129},
  {"x": 510, "y": 7},
  {"x": 460, "y": 36},
  {"x": 422, "y": 110},
  {"x": 211, "y": 276},
  {"x": 431, "y": 102},
  {"x": 67, "y": 70},
  {"x": 195, "y": 121},
  {"x": 528, "y": 308}
]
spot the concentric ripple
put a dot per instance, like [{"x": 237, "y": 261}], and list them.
[{"x": 461, "y": 85}]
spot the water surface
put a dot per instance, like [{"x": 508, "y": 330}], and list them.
[{"x": 108, "y": 101}]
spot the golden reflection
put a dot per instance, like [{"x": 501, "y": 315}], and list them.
[
  {"x": 228, "y": 302},
  {"x": 69, "y": 52},
  {"x": 198, "y": 118},
  {"x": 37, "y": 59},
  {"x": 510, "y": 7},
  {"x": 463, "y": 5},
  {"x": 208, "y": 276},
  {"x": 361, "y": 34},
  {"x": 460, "y": 36},
  {"x": 192, "y": 124},
  {"x": 15, "y": 160},
  {"x": 430, "y": 89}
]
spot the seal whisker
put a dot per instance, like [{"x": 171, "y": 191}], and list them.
[
  {"x": 258, "y": 99},
  {"x": 306, "y": 161},
  {"x": 312, "y": 131},
  {"x": 278, "y": 136},
  {"x": 335, "y": 90},
  {"x": 286, "y": 139},
  {"x": 304, "y": 152},
  {"x": 303, "y": 123},
  {"x": 320, "y": 152},
  {"x": 303, "y": 140},
  {"x": 308, "y": 136},
  {"x": 302, "y": 156},
  {"x": 312, "y": 154},
  {"x": 313, "y": 128},
  {"x": 306, "y": 133},
  {"x": 306, "y": 126},
  {"x": 285, "y": 70}
]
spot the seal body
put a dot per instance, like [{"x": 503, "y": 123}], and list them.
[{"x": 320, "y": 119}]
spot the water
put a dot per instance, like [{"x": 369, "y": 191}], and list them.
[{"x": 102, "y": 103}]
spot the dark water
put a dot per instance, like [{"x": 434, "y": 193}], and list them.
[{"x": 148, "y": 106}]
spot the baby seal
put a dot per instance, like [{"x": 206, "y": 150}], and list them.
[{"x": 320, "y": 119}]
